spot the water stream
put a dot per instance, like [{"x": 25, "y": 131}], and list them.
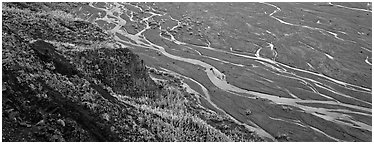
[{"x": 311, "y": 79}]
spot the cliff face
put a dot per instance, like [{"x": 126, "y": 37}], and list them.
[
  {"x": 66, "y": 80},
  {"x": 46, "y": 80}
]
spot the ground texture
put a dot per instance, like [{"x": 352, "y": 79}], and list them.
[{"x": 228, "y": 71}]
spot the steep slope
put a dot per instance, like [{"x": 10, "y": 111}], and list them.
[{"x": 65, "y": 79}]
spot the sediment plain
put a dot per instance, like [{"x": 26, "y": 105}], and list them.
[{"x": 303, "y": 70}]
